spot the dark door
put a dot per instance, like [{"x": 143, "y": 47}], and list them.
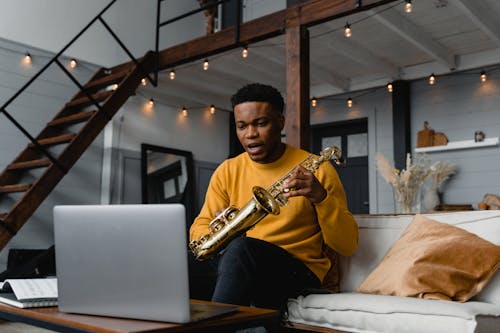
[{"x": 352, "y": 138}]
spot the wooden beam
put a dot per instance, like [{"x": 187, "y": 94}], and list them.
[
  {"x": 297, "y": 87},
  {"x": 305, "y": 14}
]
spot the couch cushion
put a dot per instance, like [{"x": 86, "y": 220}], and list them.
[
  {"x": 378, "y": 232},
  {"x": 434, "y": 260},
  {"x": 353, "y": 312}
]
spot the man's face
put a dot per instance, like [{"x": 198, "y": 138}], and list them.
[{"x": 259, "y": 127}]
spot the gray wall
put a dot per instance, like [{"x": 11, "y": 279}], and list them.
[{"x": 33, "y": 109}]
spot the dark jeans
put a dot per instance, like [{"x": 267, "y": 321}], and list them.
[{"x": 254, "y": 272}]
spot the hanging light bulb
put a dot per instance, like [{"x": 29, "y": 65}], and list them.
[
  {"x": 212, "y": 109},
  {"x": 151, "y": 102},
  {"x": 27, "y": 58},
  {"x": 314, "y": 102},
  {"x": 347, "y": 30},
  {"x": 72, "y": 63},
  {"x": 244, "y": 52},
  {"x": 184, "y": 112},
  {"x": 171, "y": 75},
  {"x": 432, "y": 79},
  {"x": 408, "y": 6},
  {"x": 483, "y": 76},
  {"x": 205, "y": 65},
  {"x": 390, "y": 87},
  {"x": 144, "y": 82},
  {"x": 349, "y": 102}
]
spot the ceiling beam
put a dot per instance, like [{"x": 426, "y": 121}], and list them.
[
  {"x": 413, "y": 34},
  {"x": 481, "y": 16}
]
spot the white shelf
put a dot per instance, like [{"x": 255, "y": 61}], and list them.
[{"x": 466, "y": 144}]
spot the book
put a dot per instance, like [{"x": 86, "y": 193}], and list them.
[{"x": 29, "y": 293}]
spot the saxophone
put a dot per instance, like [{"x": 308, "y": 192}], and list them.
[{"x": 233, "y": 222}]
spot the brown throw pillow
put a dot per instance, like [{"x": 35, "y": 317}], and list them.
[{"x": 434, "y": 260}]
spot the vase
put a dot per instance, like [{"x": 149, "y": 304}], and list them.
[
  {"x": 431, "y": 198},
  {"x": 407, "y": 200}
]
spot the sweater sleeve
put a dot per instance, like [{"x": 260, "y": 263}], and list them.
[
  {"x": 216, "y": 200},
  {"x": 339, "y": 228}
]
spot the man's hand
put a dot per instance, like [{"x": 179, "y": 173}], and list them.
[{"x": 303, "y": 183}]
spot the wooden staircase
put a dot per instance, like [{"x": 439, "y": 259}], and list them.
[{"x": 30, "y": 178}]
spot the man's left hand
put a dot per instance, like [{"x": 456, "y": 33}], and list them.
[{"x": 303, "y": 183}]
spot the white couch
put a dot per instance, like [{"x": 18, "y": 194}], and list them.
[{"x": 349, "y": 311}]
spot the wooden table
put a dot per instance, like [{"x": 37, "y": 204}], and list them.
[{"x": 50, "y": 318}]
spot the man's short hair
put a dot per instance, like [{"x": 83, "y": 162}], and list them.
[{"x": 257, "y": 92}]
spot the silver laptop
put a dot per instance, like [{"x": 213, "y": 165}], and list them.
[{"x": 126, "y": 261}]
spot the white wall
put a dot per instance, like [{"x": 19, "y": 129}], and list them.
[{"x": 51, "y": 24}]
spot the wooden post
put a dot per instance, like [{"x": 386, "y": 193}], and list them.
[{"x": 297, "y": 87}]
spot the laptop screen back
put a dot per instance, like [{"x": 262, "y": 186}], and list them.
[{"x": 123, "y": 260}]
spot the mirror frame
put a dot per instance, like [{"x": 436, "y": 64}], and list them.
[{"x": 188, "y": 198}]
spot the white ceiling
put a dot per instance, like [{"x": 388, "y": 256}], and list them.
[{"x": 438, "y": 36}]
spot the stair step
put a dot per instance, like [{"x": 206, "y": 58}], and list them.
[
  {"x": 41, "y": 163},
  {"x": 14, "y": 188},
  {"x": 106, "y": 80},
  {"x": 55, "y": 140},
  {"x": 72, "y": 119},
  {"x": 84, "y": 101}
]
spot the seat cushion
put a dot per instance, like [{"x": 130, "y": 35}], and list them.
[{"x": 354, "y": 312}]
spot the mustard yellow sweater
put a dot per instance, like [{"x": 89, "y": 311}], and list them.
[{"x": 301, "y": 228}]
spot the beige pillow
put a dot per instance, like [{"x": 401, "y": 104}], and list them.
[{"x": 434, "y": 260}]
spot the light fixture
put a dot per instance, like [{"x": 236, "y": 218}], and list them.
[
  {"x": 244, "y": 52},
  {"x": 390, "y": 87},
  {"x": 114, "y": 86},
  {"x": 432, "y": 79},
  {"x": 349, "y": 102},
  {"x": 212, "y": 109},
  {"x": 144, "y": 82},
  {"x": 171, "y": 75},
  {"x": 151, "y": 102},
  {"x": 347, "y": 30},
  {"x": 483, "y": 76},
  {"x": 205, "y": 65},
  {"x": 314, "y": 102},
  {"x": 184, "y": 112},
  {"x": 72, "y": 63},
  {"x": 27, "y": 58},
  {"x": 408, "y": 6}
]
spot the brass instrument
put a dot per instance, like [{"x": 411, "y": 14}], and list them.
[{"x": 233, "y": 222}]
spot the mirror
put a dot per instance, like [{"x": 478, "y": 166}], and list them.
[{"x": 167, "y": 177}]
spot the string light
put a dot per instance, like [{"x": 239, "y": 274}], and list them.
[
  {"x": 151, "y": 102},
  {"x": 483, "y": 76},
  {"x": 184, "y": 112},
  {"x": 27, "y": 58},
  {"x": 244, "y": 52},
  {"x": 390, "y": 87},
  {"x": 205, "y": 65},
  {"x": 72, "y": 63},
  {"x": 347, "y": 30},
  {"x": 114, "y": 86},
  {"x": 408, "y": 6},
  {"x": 314, "y": 102},
  {"x": 171, "y": 75},
  {"x": 212, "y": 109},
  {"x": 144, "y": 82},
  {"x": 349, "y": 102},
  {"x": 432, "y": 79}
]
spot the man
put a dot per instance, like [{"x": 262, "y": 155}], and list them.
[{"x": 282, "y": 254}]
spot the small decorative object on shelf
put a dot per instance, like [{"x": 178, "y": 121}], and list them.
[
  {"x": 406, "y": 184},
  {"x": 479, "y": 136}
]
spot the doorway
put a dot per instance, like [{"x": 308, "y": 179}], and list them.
[{"x": 352, "y": 138}]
